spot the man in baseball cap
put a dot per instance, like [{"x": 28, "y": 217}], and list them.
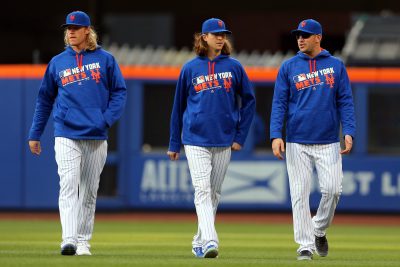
[
  {"x": 83, "y": 136},
  {"x": 214, "y": 25},
  {"x": 302, "y": 89},
  {"x": 77, "y": 18}
]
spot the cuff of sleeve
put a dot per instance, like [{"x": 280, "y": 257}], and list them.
[
  {"x": 174, "y": 147},
  {"x": 238, "y": 140},
  {"x": 274, "y": 135},
  {"x": 34, "y": 136},
  {"x": 107, "y": 120},
  {"x": 351, "y": 134}
]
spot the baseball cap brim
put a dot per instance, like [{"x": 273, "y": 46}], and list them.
[
  {"x": 299, "y": 31},
  {"x": 73, "y": 24},
  {"x": 216, "y": 31}
]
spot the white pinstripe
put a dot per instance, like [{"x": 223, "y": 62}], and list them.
[
  {"x": 207, "y": 167},
  {"x": 80, "y": 163},
  {"x": 301, "y": 160}
]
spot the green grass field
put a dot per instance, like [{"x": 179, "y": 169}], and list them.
[{"x": 145, "y": 244}]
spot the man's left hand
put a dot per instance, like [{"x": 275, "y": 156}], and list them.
[
  {"x": 236, "y": 147},
  {"x": 348, "y": 142}
]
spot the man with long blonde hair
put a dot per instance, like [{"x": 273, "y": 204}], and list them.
[{"x": 89, "y": 93}]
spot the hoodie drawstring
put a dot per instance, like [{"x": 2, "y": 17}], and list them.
[
  {"x": 313, "y": 67},
  {"x": 211, "y": 67},
  {"x": 79, "y": 61}
]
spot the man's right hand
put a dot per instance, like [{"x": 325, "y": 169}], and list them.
[
  {"x": 278, "y": 146},
  {"x": 35, "y": 147},
  {"x": 173, "y": 155}
]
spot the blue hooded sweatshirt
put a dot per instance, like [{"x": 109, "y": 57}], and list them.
[
  {"x": 214, "y": 104},
  {"x": 313, "y": 95},
  {"x": 89, "y": 93}
]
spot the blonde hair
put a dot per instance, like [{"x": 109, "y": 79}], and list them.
[
  {"x": 91, "y": 40},
  {"x": 200, "y": 47}
]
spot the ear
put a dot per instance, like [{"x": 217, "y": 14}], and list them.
[
  {"x": 87, "y": 30},
  {"x": 319, "y": 37},
  {"x": 205, "y": 37}
]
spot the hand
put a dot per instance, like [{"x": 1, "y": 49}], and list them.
[
  {"x": 348, "y": 142},
  {"x": 35, "y": 147},
  {"x": 173, "y": 155},
  {"x": 236, "y": 147},
  {"x": 278, "y": 146}
]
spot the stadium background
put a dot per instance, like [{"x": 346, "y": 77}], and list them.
[{"x": 138, "y": 175}]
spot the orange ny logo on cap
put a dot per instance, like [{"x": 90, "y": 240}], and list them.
[
  {"x": 72, "y": 17},
  {"x": 303, "y": 23},
  {"x": 220, "y": 23}
]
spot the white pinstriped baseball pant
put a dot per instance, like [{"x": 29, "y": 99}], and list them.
[
  {"x": 207, "y": 167},
  {"x": 301, "y": 160},
  {"x": 80, "y": 163}
]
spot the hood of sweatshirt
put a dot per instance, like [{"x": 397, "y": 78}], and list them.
[
  {"x": 312, "y": 62},
  {"x": 79, "y": 56},
  {"x": 212, "y": 63}
]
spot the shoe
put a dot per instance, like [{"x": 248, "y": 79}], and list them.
[
  {"x": 83, "y": 249},
  {"x": 211, "y": 252},
  {"x": 68, "y": 249},
  {"x": 198, "y": 252},
  {"x": 321, "y": 245},
  {"x": 305, "y": 255}
]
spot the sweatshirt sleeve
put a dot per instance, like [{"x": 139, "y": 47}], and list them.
[
  {"x": 345, "y": 104},
  {"x": 179, "y": 107},
  {"x": 247, "y": 110},
  {"x": 118, "y": 94},
  {"x": 279, "y": 103},
  {"x": 44, "y": 103}
]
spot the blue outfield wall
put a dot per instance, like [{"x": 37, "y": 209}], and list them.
[
  {"x": 151, "y": 181},
  {"x": 260, "y": 183}
]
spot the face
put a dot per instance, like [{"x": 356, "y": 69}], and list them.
[
  {"x": 77, "y": 35},
  {"x": 215, "y": 41},
  {"x": 308, "y": 43}
]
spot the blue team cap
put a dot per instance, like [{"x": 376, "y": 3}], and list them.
[
  {"x": 214, "y": 25},
  {"x": 309, "y": 26},
  {"x": 77, "y": 18}
]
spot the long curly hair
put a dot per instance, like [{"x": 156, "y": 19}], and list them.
[{"x": 200, "y": 47}]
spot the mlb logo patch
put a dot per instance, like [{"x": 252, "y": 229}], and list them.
[
  {"x": 65, "y": 73},
  {"x": 299, "y": 78},
  {"x": 200, "y": 79}
]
